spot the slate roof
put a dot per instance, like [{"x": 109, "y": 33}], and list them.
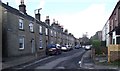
[{"x": 19, "y": 13}]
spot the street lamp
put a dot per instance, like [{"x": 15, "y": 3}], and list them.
[{"x": 36, "y": 31}]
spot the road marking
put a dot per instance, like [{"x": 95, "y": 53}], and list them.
[{"x": 60, "y": 67}]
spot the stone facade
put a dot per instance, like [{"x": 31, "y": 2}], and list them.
[
  {"x": 12, "y": 33},
  {"x": 0, "y": 33},
  {"x": 24, "y": 35}
]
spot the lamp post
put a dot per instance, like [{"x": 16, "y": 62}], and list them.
[{"x": 36, "y": 31}]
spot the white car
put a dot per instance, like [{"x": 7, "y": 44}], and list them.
[
  {"x": 88, "y": 47},
  {"x": 64, "y": 48},
  {"x": 69, "y": 47}
]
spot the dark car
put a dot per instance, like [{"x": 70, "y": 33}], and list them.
[
  {"x": 53, "y": 49},
  {"x": 77, "y": 46}
]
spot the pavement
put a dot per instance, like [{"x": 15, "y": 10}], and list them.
[
  {"x": 14, "y": 61},
  {"x": 26, "y": 61},
  {"x": 87, "y": 62}
]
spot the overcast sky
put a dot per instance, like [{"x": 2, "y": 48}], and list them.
[{"x": 78, "y": 16}]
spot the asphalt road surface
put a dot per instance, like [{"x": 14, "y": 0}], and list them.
[{"x": 65, "y": 61}]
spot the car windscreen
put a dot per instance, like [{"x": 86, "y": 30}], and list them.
[{"x": 51, "y": 46}]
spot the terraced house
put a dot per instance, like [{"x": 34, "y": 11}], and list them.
[
  {"x": 111, "y": 34},
  {"x": 24, "y": 35},
  {"x": 114, "y": 33}
]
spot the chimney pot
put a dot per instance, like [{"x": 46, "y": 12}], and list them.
[
  {"x": 47, "y": 20},
  {"x": 22, "y": 7}
]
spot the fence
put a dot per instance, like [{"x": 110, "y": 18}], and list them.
[{"x": 113, "y": 52}]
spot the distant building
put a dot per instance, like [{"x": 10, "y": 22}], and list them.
[
  {"x": 105, "y": 35},
  {"x": 97, "y": 36}
]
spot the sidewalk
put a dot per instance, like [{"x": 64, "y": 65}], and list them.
[
  {"x": 19, "y": 60},
  {"x": 88, "y": 63}
]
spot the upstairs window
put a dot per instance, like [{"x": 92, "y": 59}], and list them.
[
  {"x": 51, "y": 33},
  {"x": 31, "y": 27},
  {"x": 21, "y": 24},
  {"x": 55, "y": 33},
  {"x": 46, "y": 31},
  {"x": 40, "y": 29}
]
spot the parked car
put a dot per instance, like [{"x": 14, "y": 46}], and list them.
[
  {"x": 77, "y": 46},
  {"x": 58, "y": 47},
  {"x": 83, "y": 46},
  {"x": 52, "y": 49},
  {"x": 69, "y": 47},
  {"x": 87, "y": 47},
  {"x": 64, "y": 48}
]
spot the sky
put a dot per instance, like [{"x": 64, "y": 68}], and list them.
[{"x": 78, "y": 16}]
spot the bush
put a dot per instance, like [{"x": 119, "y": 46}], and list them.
[{"x": 96, "y": 44}]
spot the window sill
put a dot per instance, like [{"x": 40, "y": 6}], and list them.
[
  {"x": 20, "y": 49},
  {"x": 40, "y": 48},
  {"x": 32, "y": 32},
  {"x": 40, "y": 33}
]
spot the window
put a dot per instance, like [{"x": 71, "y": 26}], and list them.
[
  {"x": 51, "y": 33},
  {"x": 31, "y": 27},
  {"x": 55, "y": 33},
  {"x": 46, "y": 31},
  {"x": 113, "y": 41},
  {"x": 40, "y": 42},
  {"x": 21, "y": 24},
  {"x": 21, "y": 42},
  {"x": 40, "y": 29}
]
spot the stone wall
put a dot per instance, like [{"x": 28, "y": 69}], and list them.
[{"x": 114, "y": 55}]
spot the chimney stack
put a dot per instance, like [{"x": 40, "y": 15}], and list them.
[
  {"x": 7, "y": 3},
  {"x": 37, "y": 16},
  {"x": 22, "y": 7},
  {"x": 47, "y": 20}
]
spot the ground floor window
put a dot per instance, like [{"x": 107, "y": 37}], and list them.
[
  {"x": 118, "y": 40},
  {"x": 40, "y": 42},
  {"x": 21, "y": 42}
]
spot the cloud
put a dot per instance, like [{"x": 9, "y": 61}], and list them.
[
  {"x": 88, "y": 20},
  {"x": 41, "y": 4}
]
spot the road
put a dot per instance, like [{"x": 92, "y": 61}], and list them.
[{"x": 66, "y": 60}]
